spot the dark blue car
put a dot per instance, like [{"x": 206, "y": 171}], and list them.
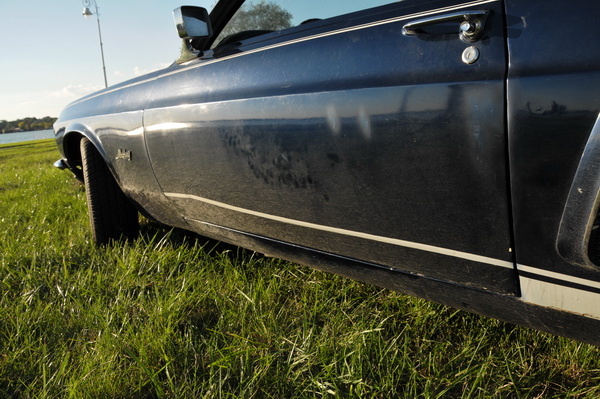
[{"x": 446, "y": 149}]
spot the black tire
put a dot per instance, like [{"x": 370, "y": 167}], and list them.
[{"x": 112, "y": 216}]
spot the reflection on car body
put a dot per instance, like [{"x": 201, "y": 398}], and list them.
[{"x": 444, "y": 149}]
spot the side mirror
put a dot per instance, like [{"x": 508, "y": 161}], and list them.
[
  {"x": 193, "y": 25},
  {"x": 192, "y": 22}
]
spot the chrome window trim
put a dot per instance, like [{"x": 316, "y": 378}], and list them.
[{"x": 185, "y": 68}]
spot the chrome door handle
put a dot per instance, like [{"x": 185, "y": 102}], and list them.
[{"x": 470, "y": 28}]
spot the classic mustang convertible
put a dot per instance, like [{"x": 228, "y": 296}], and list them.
[{"x": 446, "y": 149}]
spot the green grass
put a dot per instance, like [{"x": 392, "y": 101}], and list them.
[{"x": 177, "y": 316}]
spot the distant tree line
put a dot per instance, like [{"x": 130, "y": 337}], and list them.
[{"x": 26, "y": 124}]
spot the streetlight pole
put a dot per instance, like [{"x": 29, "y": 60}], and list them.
[{"x": 86, "y": 13}]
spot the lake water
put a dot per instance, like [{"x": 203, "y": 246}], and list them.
[{"x": 7, "y": 138}]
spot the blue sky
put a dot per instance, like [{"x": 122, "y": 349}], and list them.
[{"x": 50, "y": 54}]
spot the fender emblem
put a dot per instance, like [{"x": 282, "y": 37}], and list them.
[{"x": 123, "y": 154}]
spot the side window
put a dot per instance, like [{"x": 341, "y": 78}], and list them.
[{"x": 259, "y": 17}]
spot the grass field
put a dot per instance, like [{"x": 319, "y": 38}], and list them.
[{"x": 177, "y": 316}]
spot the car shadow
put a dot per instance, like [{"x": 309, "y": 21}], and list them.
[{"x": 155, "y": 231}]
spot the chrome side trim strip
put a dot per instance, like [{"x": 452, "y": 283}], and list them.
[
  {"x": 538, "y": 286},
  {"x": 567, "y": 279},
  {"x": 559, "y": 291},
  {"x": 350, "y": 233},
  {"x": 582, "y": 204}
]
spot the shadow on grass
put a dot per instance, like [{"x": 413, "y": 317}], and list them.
[{"x": 155, "y": 231}]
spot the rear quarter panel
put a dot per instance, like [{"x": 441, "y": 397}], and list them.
[{"x": 553, "y": 106}]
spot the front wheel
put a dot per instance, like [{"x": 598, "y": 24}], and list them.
[{"x": 112, "y": 216}]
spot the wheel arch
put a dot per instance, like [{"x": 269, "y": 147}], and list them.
[
  {"x": 112, "y": 215},
  {"x": 71, "y": 140}
]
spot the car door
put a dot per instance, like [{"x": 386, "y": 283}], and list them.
[{"x": 377, "y": 135}]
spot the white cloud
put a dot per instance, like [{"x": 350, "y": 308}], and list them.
[{"x": 74, "y": 91}]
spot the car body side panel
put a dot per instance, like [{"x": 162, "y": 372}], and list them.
[
  {"x": 319, "y": 140},
  {"x": 553, "y": 106}
]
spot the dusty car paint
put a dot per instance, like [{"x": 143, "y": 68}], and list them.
[{"x": 388, "y": 157}]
